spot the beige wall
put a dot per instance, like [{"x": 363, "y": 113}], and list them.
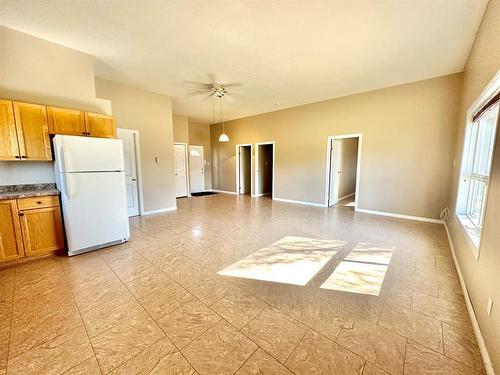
[
  {"x": 347, "y": 183},
  {"x": 482, "y": 277},
  {"x": 199, "y": 135},
  {"x": 181, "y": 130},
  {"x": 38, "y": 71},
  {"x": 408, "y": 142},
  {"x": 151, "y": 115}
]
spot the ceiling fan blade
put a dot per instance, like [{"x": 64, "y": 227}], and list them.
[
  {"x": 201, "y": 84},
  {"x": 199, "y": 90},
  {"x": 198, "y": 94},
  {"x": 212, "y": 78},
  {"x": 234, "y": 84}
]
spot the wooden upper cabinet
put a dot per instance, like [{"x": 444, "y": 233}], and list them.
[
  {"x": 100, "y": 125},
  {"x": 11, "y": 245},
  {"x": 66, "y": 121},
  {"x": 42, "y": 230},
  {"x": 9, "y": 148},
  {"x": 32, "y": 131}
]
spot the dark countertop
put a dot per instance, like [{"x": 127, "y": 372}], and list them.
[{"x": 25, "y": 191}]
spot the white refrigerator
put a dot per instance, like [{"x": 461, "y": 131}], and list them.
[{"x": 90, "y": 175}]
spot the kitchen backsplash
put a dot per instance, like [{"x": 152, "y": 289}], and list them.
[{"x": 25, "y": 172}]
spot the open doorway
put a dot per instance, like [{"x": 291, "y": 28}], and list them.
[
  {"x": 343, "y": 166},
  {"x": 244, "y": 169},
  {"x": 132, "y": 162},
  {"x": 264, "y": 170}
]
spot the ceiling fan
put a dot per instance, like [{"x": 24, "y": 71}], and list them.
[{"x": 214, "y": 89}]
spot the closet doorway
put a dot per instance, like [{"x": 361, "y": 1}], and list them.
[
  {"x": 244, "y": 169},
  {"x": 264, "y": 169},
  {"x": 342, "y": 170}
]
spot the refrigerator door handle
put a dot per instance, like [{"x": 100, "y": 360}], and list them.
[{"x": 67, "y": 187}]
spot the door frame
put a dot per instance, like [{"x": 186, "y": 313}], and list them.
[
  {"x": 202, "y": 166},
  {"x": 238, "y": 167},
  {"x": 273, "y": 143},
  {"x": 328, "y": 167},
  {"x": 186, "y": 158},
  {"x": 140, "y": 190}
]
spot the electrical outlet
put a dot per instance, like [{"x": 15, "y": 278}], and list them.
[{"x": 490, "y": 306}]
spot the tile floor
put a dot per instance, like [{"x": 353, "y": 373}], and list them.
[{"x": 157, "y": 305}]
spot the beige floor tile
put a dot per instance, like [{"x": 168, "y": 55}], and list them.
[
  {"x": 275, "y": 332},
  {"x": 186, "y": 323},
  {"x": 88, "y": 367},
  {"x": 55, "y": 356},
  {"x": 316, "y": 354},
  {"x": 160, "y": 358},
  {"x": 412, "y": 325},
  {"x": 165, "y": 299},
  {"x": 210, "y": 290},
  {"x": 110, "y": 313},
  {"x": 261, "y": 363},
  {"x": 219, "y": 342},
  {"x": 423, "y": 361},
  {"x": 144, "y": 282},
  {"x": 238, "y": 307},
  {"x": 4, "y": 342},
  {"x": 27, "y": 334},
  {"x": 371, "y": 369},
  {"x": 103, "y": 292},
  {"x": 125, "y": 340},
  {"x": 376, "y": 344},
  {"x": 460, "y": 344},
  {"x": 439, "y": 308}
]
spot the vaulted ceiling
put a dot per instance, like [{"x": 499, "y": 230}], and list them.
[{"x": 283, "y": 52}]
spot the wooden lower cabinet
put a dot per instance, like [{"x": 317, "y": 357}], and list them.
[
  {"x": 30, "y": 227},
  {"x": 42, "y": 230},
  {"x": 11, "y": 244}
]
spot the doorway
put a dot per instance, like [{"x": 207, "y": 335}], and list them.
[
  {"x": 196, "y": 168},
  {"x": 342, "y": 171},
  {"x": 264, "y": 170},
  {"x": 244, "y": 169},
  {"x": 131, "y": 155},
  {"x": 181, "y": 174}
]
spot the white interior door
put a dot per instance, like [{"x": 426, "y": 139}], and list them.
[
  {"x": 196, "y": 168},
  {"x": 335, "y": 170},
  {"x": 180, "y": 170},
  {"x": 130, "y": 157}
]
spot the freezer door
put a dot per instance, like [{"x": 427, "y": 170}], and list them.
[
  {"x": 94, "y": 209},
  {"x": 87, "y": 154}
]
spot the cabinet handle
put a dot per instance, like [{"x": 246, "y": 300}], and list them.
[
  {"x": 24, "y": 157},
  {"x": 17, "y": 157},
  {"x": 39, "y": 202},
  {"x": 21, "y": 214}
]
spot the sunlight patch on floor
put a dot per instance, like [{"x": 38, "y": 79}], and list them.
[
  {"x": 362, "y": 271},
  {"x": 291, "y": 260}
]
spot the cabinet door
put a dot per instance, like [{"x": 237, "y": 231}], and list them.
[
  {"x": 32, "y": 131},
  {"x": 66, "y": 121},
  {"x": 100, "y": 125},
  {"x": 42, "y": 230},
  {"x": 9, "y": 148},
  {"x": 11, "y": 245}
]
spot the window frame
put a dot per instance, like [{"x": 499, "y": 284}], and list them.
[{"x": 473, "y": 233}]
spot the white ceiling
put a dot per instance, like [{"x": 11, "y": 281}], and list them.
[{"x": 290, "y": 52}]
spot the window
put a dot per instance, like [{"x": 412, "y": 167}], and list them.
[{"x": 476, "y": 168}]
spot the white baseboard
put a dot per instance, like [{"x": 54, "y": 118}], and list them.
[
  {"x": 260, "y": 195},
  {"x": 408, "y": 217},
  {"x": 477, "y": 331},
  {"x": 299, "y": 202},
  {"x": 224, "y": 191},
  {"x": 346, "y": 196},
  {"x": 470, "y": 309},
  {"x": 159, "y": 211}
]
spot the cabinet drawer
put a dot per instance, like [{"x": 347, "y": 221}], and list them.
[{"x": 37, "y": 202}]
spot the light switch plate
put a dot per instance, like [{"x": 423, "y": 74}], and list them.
[{"x": 490, "y": 306}]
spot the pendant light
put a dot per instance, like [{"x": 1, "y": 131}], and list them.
[{"x": 223, "y": 137}]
